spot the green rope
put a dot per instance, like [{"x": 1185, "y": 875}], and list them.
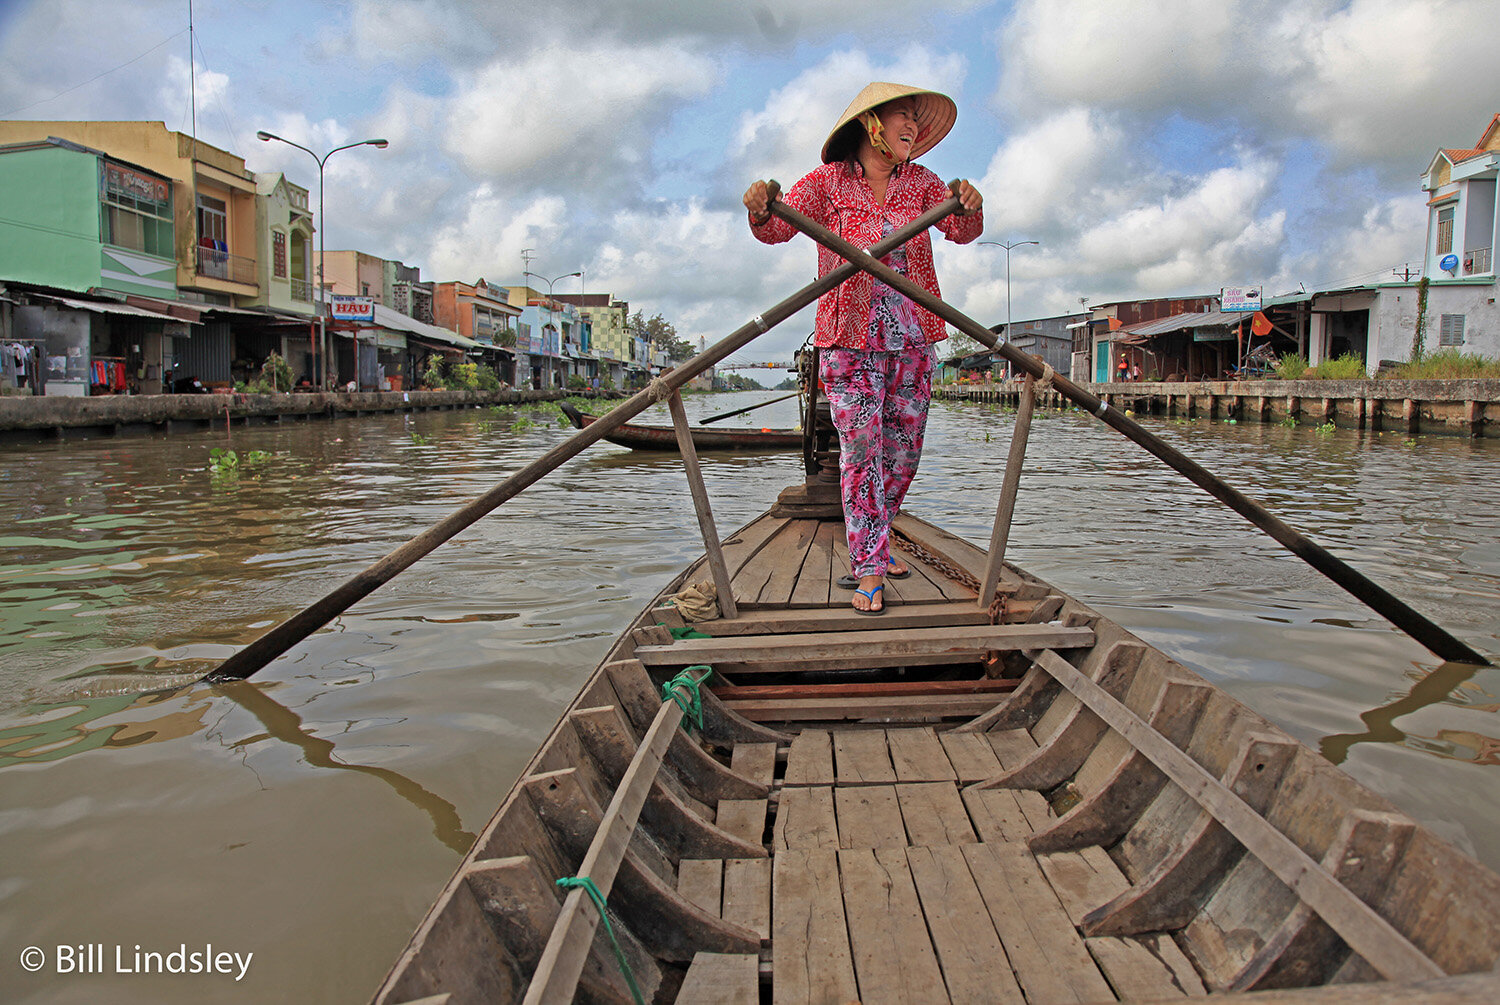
[
  {"x": 686, "y": 632},
  {"x": 586, "y": 884},
  {"x": 692, "y": 707}
]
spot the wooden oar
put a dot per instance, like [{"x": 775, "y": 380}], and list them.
[
  {"x": 1433, "y": 636},
  {"x": 742, "y": 411},
  {"x": 299, "y": 626}
]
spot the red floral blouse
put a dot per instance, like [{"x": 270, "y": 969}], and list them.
[{"x": 841, "y": 200}]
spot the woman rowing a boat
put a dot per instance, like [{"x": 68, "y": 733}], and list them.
[{"x": 876, "y": 346}]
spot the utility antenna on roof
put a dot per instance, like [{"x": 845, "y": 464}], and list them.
[{"x": 526, "y": 257}]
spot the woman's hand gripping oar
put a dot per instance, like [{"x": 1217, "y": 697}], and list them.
[
  {"x": 299, "y": 626},
  {"x": 1437, "y": 639}
]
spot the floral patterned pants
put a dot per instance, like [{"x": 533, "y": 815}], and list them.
[{"x": 879, "y": 403}]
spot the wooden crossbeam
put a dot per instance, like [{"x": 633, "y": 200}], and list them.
[
  {"x": 843, "y": 619},
  {"x": 913, "y": 642},
  {"x": 1364, "y": 930}
]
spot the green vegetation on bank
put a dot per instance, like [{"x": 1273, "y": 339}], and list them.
[{"x": 1447, "y": 364}]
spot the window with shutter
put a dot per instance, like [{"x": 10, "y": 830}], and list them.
[{"x": 1451, "y": 329}]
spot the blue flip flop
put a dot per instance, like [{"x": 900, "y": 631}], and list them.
[
  {"x": 850, "y": 582},
  {"x": 870, "y": 593}
]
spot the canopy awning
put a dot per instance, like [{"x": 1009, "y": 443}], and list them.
[
  {"x": 385, "y": 317},
  {"x": 109, "y": 307}
]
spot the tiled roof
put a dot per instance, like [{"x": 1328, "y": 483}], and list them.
[{"x": 1458, "y": 156}]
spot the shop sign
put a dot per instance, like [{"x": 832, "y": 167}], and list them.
[
  {"x": 1239, "y": 298},
  {"x": 123, "y": 181},
  {"x": 346, "y": 308}
]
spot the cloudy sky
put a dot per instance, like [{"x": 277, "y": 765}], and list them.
[{"x": 1152, "y": 148}]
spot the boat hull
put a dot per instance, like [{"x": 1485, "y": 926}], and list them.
[
  {"x": 1049, "y": 791},
  {"x": 641, "y": 437}
]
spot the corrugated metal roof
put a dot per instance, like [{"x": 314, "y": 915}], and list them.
[
  {"x": 117, "y": 308},
  {"x": 385, "y": 317},
  {"x": 1182, "y": 322}
]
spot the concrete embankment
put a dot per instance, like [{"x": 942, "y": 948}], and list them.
[
  {"x": 1452, "y": 407},
  {"x": 33, "y": 418}
]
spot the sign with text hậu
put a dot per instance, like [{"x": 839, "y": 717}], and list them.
[{"x": 344, "y": 308}]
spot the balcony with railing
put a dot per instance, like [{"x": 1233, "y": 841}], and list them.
[
  {"x": 302, "y": 291},
  {"x": 216, "y": 264},
  {"x": 1478, "y": 261}
]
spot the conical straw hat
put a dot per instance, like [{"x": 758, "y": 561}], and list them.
[{"x": 935, "y": 113}]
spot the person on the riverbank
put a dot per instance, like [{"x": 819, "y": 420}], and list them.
[{"x": 877, "y": 353}]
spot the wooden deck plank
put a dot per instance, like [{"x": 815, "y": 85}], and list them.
[
  {"x": 894, "y": 962},
  {"x": 755, "y": 761},
  {"x": 805, "y": 819},
  {"x": 876, "y": 643},
  {"x": 809, "y": 761},
  {"x": 918, "y": 756},
  {"x": 972, "y": 756},
  {"x": 743, "y": 546},
  {"x": 722, "y": 979},
  {"x": 786, "y": 554},
  {"x": 815, "y": 578},
  {"x": 757, "y": 571},
  {"x": 743, "y": 818},
  {"x": 869, "y": 816},
  {"x": 1150, "y": 967},
  {"x": 1045, "y": 950},
  {"x": 919, "y": 587},
  {"x": 860, "y": 757},
  {"x": 996, "y": 815},
  {"x": 747, "y": 894},
  {"x": 701, "y": 882},
  {"x": 1083, "y": 879},
  {"x": 811, "y": 961},
  {"x": 934, "y": 814},
  {"x": 1011, "y": 746},
  {"x": 964, "y": 937}
]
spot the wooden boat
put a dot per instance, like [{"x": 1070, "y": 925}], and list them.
[
  {"x": 643, "y": 437},
  {"x": 1026, "y": 803}
]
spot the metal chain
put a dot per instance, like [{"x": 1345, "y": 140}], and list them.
[{"x": 962, "y": 577}]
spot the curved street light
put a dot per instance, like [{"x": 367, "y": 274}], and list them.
[
  {"x": 266, "y": 137},
  {"x": 552, "y": 310},
  {"x": 1008, "y": 245}
]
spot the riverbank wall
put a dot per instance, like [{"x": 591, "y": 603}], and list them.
[
  {"x": 1414, "y": 407},
  {"x": 28, "y": 419}
]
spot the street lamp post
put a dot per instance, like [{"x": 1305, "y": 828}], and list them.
[
  {"x": 551, "y": 310},
  {"x": 1008, "y": 245},
  {"x": 322, "y": 295}
]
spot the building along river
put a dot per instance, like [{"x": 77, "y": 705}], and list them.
[{"x": 310, "y": 816}]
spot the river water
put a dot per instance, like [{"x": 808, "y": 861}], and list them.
[{"x": 309, "y": 817}]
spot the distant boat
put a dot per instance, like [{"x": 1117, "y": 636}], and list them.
[{"x": 639, "y": 437}]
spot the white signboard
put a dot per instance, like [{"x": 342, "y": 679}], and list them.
[
  {"x": 352, "y": 308},
  {"x": 1239, "y": 298}
]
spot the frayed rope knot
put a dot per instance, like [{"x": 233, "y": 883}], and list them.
[
  {"x": 1047, "y": 374},
  {"x": 658, "y": 390}
]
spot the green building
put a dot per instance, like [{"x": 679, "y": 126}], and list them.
[{"x": 77, "y": 219}]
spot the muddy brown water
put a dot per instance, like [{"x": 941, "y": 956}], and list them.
[{"x": 310, "y": 817}]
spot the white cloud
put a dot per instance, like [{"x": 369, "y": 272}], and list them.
[
  {"x": 782, "y": 140},
  {"x": 491, "y": 234},
  {"x": 564, "y": 112},
  {"x": 1376, "y": 80}
]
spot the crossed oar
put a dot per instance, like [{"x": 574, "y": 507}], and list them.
[{"x": 296, "y": 628}]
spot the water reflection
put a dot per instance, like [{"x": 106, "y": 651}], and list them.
[
  {"x": 285, "y": 725},
  {"x": 1450, "y": 683}
]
